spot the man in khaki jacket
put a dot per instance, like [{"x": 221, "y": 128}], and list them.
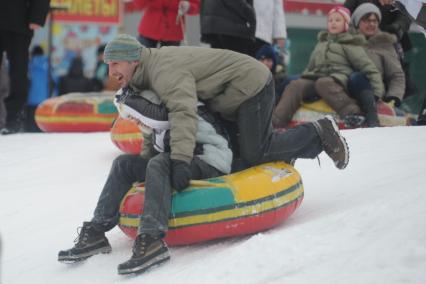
[{"x": 237, "y": 87}]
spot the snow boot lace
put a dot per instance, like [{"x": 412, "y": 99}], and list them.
[
  {"x": 148, "y": 251},
  {"x": 334, "y": 144},
  {"x": 88, "y": 243}
]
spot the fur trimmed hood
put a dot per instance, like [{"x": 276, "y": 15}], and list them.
[
  {"x": 343, "y": 38},
  {"x": 382, "y": 38}
]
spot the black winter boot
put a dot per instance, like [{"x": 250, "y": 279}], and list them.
[
  {"x": 148, "y": 251},
  {"x": 88, "y": 243},
  {"x": 368, "y": 106},
  {"x": 13, "y": 124},
  {"x": 333, "y": 143}
]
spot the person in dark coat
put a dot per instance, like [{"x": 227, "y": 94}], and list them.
[
  {"x": 75, "y": 81},
  {"x": 228, "y": 24},
  {"x": 18, "y": 20}
]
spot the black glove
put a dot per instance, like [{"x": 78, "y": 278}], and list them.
[
  {"x": 388, "y": 99},
  {"x": 180, "y": 174}
]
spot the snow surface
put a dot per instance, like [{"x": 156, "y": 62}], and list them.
[{"x": 365, "y": 224}]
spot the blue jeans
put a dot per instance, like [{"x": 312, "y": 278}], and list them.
[
  {"x": 260, "y": 143},
  {"x": 127, "y": 169},
  {"x": 152, "y": 43}
]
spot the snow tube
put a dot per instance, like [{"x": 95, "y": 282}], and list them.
[
  {"x": 125, "y": 134},
  {"x": 308, "y": 112},
  {"x": 242, "y": 203},
  {"x": 77, "y": 112}
]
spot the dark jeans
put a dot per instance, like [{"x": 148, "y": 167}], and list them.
[
  {"x": 16, "y": 47},
  {"x": 127, "y": 169},
  {"x": 260, "y": 143},
  {"x": 152, "y": 43}
]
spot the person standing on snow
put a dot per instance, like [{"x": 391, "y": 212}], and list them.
[
  {"x": 235, "y": 86},
  {"x": 18, "y": 21}
]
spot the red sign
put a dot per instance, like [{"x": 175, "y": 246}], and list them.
[{"x": 87, "y": 11}]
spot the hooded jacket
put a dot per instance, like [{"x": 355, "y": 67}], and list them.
[
  {"x": 212, "y": 145},
  {"x": 340, "y": 55},
  {"x": 181, "y": 76},
  {"x": 381, "y": 50}
]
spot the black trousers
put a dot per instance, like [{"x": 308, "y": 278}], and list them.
[
  {"x": 16, "y": 46},
  {"x": 238, "y": 44}
]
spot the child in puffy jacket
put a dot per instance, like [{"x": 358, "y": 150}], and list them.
[{"x": 337, "y": 55}]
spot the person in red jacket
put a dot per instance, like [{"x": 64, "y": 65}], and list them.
[{"x": 163, "y": 21}]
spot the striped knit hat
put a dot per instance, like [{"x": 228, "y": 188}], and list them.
[
  {"x": 344, "y": 12},
  {"x": 123, "y": 48}
]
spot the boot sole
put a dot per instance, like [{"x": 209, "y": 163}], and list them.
[
  {"x": 81, "y": 257},
  {"x": 342, "y": 140},
  {"x": 159, "y": 259}
]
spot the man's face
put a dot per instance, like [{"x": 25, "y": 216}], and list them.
[
  {"x": 122, "y": 71},
  {"x": 369, "y": 26}
]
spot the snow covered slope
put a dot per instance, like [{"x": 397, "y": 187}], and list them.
[{"x": 365, "y": 224}]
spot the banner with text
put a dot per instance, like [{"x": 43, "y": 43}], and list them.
[{"x": 87, "y": 11}]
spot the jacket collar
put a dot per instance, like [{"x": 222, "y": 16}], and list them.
[{"x": 140, "y": 79}]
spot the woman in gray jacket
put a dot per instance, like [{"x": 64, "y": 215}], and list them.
[{"x": 381, "y": 50}]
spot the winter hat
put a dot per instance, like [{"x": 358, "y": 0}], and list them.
[
  {"x": 344, "y": 12},
  {"x": 267, "y": 51},
  {"x": 123, "y": 48},
  {"x": 362, "y": 10}
]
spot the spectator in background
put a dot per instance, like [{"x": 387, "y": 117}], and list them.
[
  {"x": 270, "y": 26},
  {"x": 337, "y": 55},
  {"x": 4, "y": 90},
  {"x": 75, "y": 81},
  {"x": 228, "y": 24},
  {"x": 18, "y": 20},
  {"x": 267, "y": 55},
  {"x": 395, "y": 22},
  {"x": 381, "y": 50},
  {"x": 163, "y": 21},
  {"x": 101, "y": 70},
  {"x": 39, "y": 86}
]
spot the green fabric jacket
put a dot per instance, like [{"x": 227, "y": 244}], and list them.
[
  {"x": 340, "y": 55},
  {"x": 222, "y": 79},
  {"x": 381, "y": 50}
]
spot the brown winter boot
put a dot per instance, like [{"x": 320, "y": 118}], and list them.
[{"x": 333, "y": 143}]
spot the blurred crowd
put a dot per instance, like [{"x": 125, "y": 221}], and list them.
[{"x": 358, "y": 61}]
